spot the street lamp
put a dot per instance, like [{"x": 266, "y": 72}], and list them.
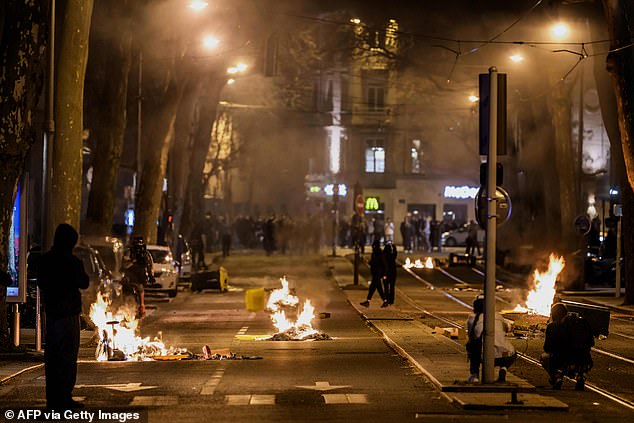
[
  {"x": 198, "y": 5},
  {"x": 240, "y": 67},
  {"x": 473, "y": 98},
  {"x": 516, "y": 58},
  {"x": 560, "y": 30},
  {"x": 210, "y": 42}
]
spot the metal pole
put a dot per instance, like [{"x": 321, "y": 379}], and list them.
[
  {"x": 139, "y": 117},
  {"x": 16, "y": 325},
  {"x": 488, "y": 370},
  {"x": 356, "y": 262},
  {"x": 617, "y": 291}
]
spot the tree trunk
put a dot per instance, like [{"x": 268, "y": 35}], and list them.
[
  {"x": 620, "y": 65},
  {"x": 192, "y": 215},
  {"x": 69, "y": 103},
  {"x": 564, "y": 156},
  {"x": 22, "y": 69},
  {"x": 111, "y": 131},
  {"x": 157, "y": 142}
]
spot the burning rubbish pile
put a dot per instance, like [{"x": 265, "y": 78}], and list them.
[
  {"x": 533, "y": 316},
  {"x": 118, "y": 339},
  {"x": 418, "y": 264},
  {"x": 282, "y": 302}
]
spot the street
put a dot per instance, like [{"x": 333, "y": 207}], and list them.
[{"x": 355, "y": 376}]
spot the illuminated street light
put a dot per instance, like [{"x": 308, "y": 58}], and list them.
[
  {"x": 516, "y": 58},
  {"x": 198, "y": 5},
  {"x": 231, "y": 81},
  {"x": 473, "y": 98},
  {"x": 560, "y": 31},
  {"x": 210, "y": 42},
  {"x": 240, "y": 67},
  {"x": 355, "y": 21}
]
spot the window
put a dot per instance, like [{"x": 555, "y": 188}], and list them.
[
  {"x": 416, "y": 155},
  {"x": 376, "y": 98},
  {"x": 374, "y": 157}
]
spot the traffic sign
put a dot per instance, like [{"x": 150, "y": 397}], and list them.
[
  {"x": 503, "y": 207},
  {"x": 485, "y": 106},
  {"x": 582, "y": 224}
]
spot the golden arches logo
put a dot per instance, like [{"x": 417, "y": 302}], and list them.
[{"x": 371, "y": 203}]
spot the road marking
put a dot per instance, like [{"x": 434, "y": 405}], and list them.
[
  {"x": 345, "y": 398},
  {"x": 123, "y": 387},
  {"x": 154, "y": 401},
  {"x": 250, "y": 399},
  {"x": 243, "y": 330},
  {"x": 210, "y": 386},
  {"x": 324, "y": 386}
]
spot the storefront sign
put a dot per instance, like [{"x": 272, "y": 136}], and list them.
[
  {"x": 329, "y": 189},
  {"x": 461, "y": 193},
  {"x": 372, "y": 203}
]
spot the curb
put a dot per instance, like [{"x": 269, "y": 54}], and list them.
[{"x": 18, "y": 373}]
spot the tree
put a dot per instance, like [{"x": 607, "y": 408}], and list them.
[
  {"x": 620, "y": 63},
  {"x": 112, "y": 118},
  {"x": 69, "y": 104},
  {"x": 22, "y": 69}
]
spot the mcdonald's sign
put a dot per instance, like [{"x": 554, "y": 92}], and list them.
[{"x": 372, "y": 203}]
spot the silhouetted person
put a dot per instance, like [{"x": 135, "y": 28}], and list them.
[
  {"x": 389, "y": 283},
  {"x": 567, "y": 345},
  {"x": 60, "y": 277},
  {"x": 225, "y": 237},
  {"x": 377, "y": 269}
]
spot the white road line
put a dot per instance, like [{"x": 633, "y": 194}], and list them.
[
  {"x": 609, "y": 354},
  {"x": 210, "y": 386},
  {"x": 250, "y": 399},
  {"x": 154, "y": 401},
  {"x": 243, "y": 330},
  {"x": 345, "y": 398}
]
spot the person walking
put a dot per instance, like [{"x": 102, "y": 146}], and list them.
[
  {"x": 378, "y": 270},
  {"x": 505, "y": 353},
  {"x": 60, "y": 277},
  {"x": 472, "y": 239},
  {"x": 389, "y": 283}
]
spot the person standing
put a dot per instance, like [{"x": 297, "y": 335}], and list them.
[
  {"x": 377, "y": 269},
  {"x": 389, "y": 283},
  {"x": 60, "y": 277},
  {"x": 388, "y": 230}
]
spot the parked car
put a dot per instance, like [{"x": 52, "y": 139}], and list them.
[
  {"x": 458, "y": 237},
  {"x": 111, "y": 251},
  {"x": 165, "y": 271}
]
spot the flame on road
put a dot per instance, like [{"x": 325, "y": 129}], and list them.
[
  {"x": 541, "y": 297},
  {"x": 282, "y": 300},
  {"x": 418, "y": 264},
  {"x": 118, "y": 330}
]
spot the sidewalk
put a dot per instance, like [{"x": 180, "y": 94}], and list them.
[{"x": 439, "y": 358}]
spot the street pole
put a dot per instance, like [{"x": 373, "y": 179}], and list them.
[
  {"x": 47, "y": 167},
  {"x": 335, "y": 217},
  {"x": 139, "y": 126},
  {"x": 617, "y": 291},
  {"x": 488, "y": 356}
]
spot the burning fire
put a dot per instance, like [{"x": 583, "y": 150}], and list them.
[
  {"x": 429, "y": 263},
  {"x": 540, "y": 298},
  {"x": 280, "y": 301},
  {"x": 118, "y": 331}
]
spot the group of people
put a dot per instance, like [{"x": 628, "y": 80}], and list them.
[
  {"x": 567, "y": 345},
  {"x": 419, "y": 233},
  {"x": 383, "y": 271}
]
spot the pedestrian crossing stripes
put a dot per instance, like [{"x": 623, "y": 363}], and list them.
[
  {"x": 345, "y": 398},
  {"x": 243, "y": 330}
]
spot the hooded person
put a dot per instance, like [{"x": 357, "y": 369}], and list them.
[
  {"x": 505, "y": 353},
  {"x": 60, "y": 277}
]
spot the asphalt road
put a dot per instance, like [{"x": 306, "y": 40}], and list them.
[{"x": 353, "y": 377}]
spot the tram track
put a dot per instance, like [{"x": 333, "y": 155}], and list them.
[
  {"x": 594, "y": 388},
  {"x": 527, "y": 358}
]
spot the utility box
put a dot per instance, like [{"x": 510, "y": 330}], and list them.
[
  {"x": 255, "y": 299},
  {"x": 597, "y": 316},
  {"x": 212, "y": 279}
]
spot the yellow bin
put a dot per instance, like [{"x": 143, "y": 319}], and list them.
[{"x": 255, "y": 299}]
